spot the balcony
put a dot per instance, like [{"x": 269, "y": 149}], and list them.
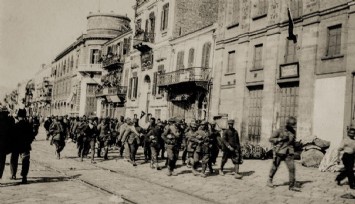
[
  {"x": 112, "y": 62},
  {"x": 197, "y": 76},
  {"x": 143, "y": 41},
  {"x": 85, "y": 68},
  {"x": 111, "y": 91}
]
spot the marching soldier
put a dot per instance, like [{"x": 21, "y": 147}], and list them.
[
  {"x": 58, "y": 136},
  {"x": 171, "y": 136},
  {"x": 206, "y": 145},
  {"x": 89, "y": 133},
  {"x": 104, "y": 137},
  {"x": 215, "y": 136},
  {"x": 284, "y": 142},
  {"x": 23, "y": 138},
  {"x": 191, "y": 144},
  {"x": 79, "y": 136},
  {"x": 348, "y": 147},
  {"x": 232, "y": 150},
  {"x": 154, "y": 136},
  {"x": 46, "y": 125},
  {"x": 132, "y": 137}
]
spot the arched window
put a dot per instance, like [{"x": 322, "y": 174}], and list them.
[{"x": 206, "y": 53}]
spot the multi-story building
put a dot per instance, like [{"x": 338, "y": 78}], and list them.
[
  {"x": 42, "y": 95},
  {"x": 116, "y": 64},
  {"x": 162, "y": 30},
  {"x": 265, "y": 72},
  {"x": 77, "y": 70}
]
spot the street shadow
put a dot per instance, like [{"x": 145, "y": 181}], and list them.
[
  {"x": 298, "y": 184},
  {"x": 348, "y": 196},
  {"x": 185, "y": 172},
  {"x": 247, "y": 173},
  {"x": 34, "y": 180}
]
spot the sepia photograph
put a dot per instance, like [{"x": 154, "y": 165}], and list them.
[{"x": 177, "y": 101}]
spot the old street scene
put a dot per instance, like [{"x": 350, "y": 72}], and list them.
[{"x": 177, "y": 101}]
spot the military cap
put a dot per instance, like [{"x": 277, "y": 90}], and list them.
[{"x": 230, "y": 121}]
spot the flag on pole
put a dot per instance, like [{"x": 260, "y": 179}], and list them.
[{"x": 291, "y": 35}]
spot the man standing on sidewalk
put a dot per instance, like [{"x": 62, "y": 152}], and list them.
[
  {"x": 23, "y": 138},
  {"x": 233, "y": 150},
  {"x": 284, "y": 142},
  {"x": 6, "y": 125}
]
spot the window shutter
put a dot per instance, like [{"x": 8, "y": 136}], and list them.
[
  {"x": 162, "y": 20},
  {"x": 191, "y": 57},
  {"x": 155, "y": 78},
  {"x": 146, "y": 25},
  {"x": 208, "y": 53},
  {"x": 130, "y": 89},
  {"x": 135, "y": 87}
]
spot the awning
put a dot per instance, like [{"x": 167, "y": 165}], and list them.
[
  {"x": 108, "y": 99},
  {"x": 115, "y": 99}
]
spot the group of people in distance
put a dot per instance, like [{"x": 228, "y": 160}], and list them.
[{"x": 199, "y": 141}]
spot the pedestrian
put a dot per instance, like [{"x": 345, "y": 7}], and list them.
[
  {"x": 79, "y": 136},
  {"x": 171, "y": 137},
  {"x": 23, "y": 137},
  {"x": 58, "y": 135},
  {"x": 206, "y": 145},
  {"x": 233, "y": 150},
  {"x": 347, "y": 146},
  {"x": 122, "y": 141},
  {"x": 6, "y": 126},
  {"x": 283, "y": 141}
]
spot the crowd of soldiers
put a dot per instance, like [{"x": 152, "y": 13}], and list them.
[{"x": 199, "y": 141}]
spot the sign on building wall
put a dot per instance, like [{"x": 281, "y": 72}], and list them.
[{"x": 289, "y": 71}]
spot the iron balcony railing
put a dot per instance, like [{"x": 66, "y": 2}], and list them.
[
  {"x": 114, "y": 60},
  {"x": 143, "y": 36},
  {"x": 192, "y": 74},
  {"x": 107, "y": 91}
]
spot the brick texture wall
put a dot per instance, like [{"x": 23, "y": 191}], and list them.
[{"x": 199, "y": 13}]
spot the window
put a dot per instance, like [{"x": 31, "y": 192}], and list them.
[
  {"x": 191, "y": 57},
  {"x": 291, "y": 55},
  {"x": 206, "y": 52},
  {"x": 71, "y": 63},
  {"x": 180, "y": 60},
  {"x": 155, "y": 80},
  {"x": 334, "y": 40},
  {"x": 94, "y": 56},
  {"x": 233, "y": 12},
  {"x": 231, "y": 62},
  {"x": 164, "y": 17},
  {"x": 133, "y": 88},
  {"x": 139, "y": 24},
  {"x": 258, "y": 53},
  {"x": 296, "y": 8},
  {"x": 261, "y": 8}
]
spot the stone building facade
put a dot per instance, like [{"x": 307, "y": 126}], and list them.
[
  {"x": 158, "y": 25},
  {"x": 116, "y": 64},
  {"x": 77, "y": 70},
  {"x": 261, "y": 76}
]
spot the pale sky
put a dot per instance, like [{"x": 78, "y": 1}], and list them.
[{"x": 33, "y": 32}]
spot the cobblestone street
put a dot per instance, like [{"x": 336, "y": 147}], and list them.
[{"x": 70, "y": 181}]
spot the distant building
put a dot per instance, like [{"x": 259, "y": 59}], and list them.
[
  {"x": 77, "y": 70},
  {"x": 42, "y": 95}
]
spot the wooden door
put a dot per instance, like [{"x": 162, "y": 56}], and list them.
[{"x": 255, "y": 111}]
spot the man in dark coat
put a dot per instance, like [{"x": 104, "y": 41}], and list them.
[
  {"x": 47, "y": 125},
  {"x": 171, "y": 137},
  {"x": 23, "y": 137},
  {"x": 233, "y": 150},
  {"x": 154, "y": 137},
  {"x": 89, "y": 133},
  {"x": 6, "y": 125},
  {"x": 283, "y": 141},
  {"x": 104, "y": 131}
]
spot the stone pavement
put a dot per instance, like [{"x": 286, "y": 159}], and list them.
[
  {"x": 48, "y": 186},
  {"x": 143, "y": 185}
]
